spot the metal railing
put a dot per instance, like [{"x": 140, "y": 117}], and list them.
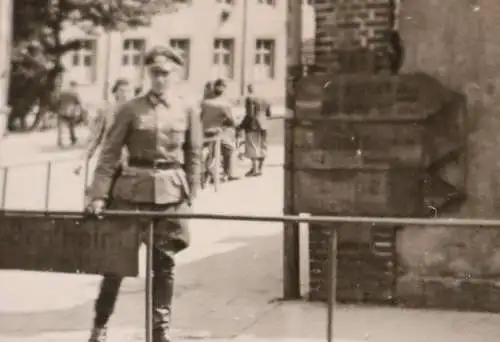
[
  {"x": 5, "y": 170},
  {"x": 154, "y": 216},
  {"x": 332, "y": 250}
]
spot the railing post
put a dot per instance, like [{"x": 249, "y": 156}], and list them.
[
  {"x": 291, "y": 235},
  {"x": 87, "y": 171},
  {"x": 4, "y": 186},
  {"x": 149, "y": 281},
  {"x": 217, "y": 161},
  {"x": 47, "y": 186},
  {"x": 332, "y": 283},
  {"x": 86, "y": 180}
]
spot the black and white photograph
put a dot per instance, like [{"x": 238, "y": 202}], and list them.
[{"x": 249, "y": 170}]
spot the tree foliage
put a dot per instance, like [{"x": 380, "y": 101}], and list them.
[{"x": 38, "y": 46}]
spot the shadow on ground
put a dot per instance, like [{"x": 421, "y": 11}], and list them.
[{"x": 218, "y": 296}]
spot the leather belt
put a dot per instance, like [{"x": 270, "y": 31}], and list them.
[{"x": 154, "y": 164}]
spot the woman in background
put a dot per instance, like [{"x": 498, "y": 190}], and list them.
[
  {"x": 208, "y": 90},
  {"x": 255, "y": 125}
]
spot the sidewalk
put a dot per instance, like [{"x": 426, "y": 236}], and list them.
[{"x": 18, "y": 148}]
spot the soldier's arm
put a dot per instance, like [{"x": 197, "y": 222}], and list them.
[
  {"x": 111, "y": 153},
  {"x": 193, "y": 149}
]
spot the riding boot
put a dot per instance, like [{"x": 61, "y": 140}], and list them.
[
  {"x": 104, "y": 306},
  {"x": 163, "y": 283},
  {"x": 98, "y": 335}
]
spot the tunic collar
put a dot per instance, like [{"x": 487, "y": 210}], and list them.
[{"x": 164, "y": 99}]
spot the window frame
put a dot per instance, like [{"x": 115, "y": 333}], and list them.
[
  {"x": 267, "y": 2},
  {"x": 218, "y": 52},
  {"x": 259, "y": 59},
  {"x": 137, "y": 68},
  {"x": 185, "y": 53},
  {"x": 84, "y": 58}
]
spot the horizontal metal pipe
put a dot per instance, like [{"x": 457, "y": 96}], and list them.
[
  {"x": 466, "y": 222},
  {"x": 60, "y": 160}
]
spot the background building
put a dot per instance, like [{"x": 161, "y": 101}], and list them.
[{"x": 243, "y": 41}]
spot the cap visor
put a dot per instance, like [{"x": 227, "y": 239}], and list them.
[{"x": 166, "y": 66}]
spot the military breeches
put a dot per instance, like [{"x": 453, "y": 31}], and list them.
[
  {"x": 227, "y": 154},
  {"x": 163, "y": 286},
  {"x": 170, "y": 237}
]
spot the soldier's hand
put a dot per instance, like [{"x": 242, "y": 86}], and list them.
[{"x": 96, "y": 207}]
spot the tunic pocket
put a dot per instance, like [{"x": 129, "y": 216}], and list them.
[
  {"x": 134, "y": 186},
  {"x": 170, "y": 187}
]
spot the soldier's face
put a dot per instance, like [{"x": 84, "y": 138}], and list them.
[{"x": 160, "y": 79}]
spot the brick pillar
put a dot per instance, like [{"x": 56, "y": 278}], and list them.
[{"x": 353, "y": 35}]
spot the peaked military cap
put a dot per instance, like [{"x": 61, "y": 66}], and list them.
[{"x": 163, "y": 58}]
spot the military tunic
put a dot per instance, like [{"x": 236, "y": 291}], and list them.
[
  {"x": 216, "y": 112},
  {"x": 163, "y": 137}
]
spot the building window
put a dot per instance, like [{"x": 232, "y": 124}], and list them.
[
  {"x": 264, "y": 59},
  {"x": 267, "y": 2},
  {"x": 132, "y": 60},
  {"x": 182, "y": 46},
  {"x": 83, "y": 62},
  {"x": 223, "y": 58}
]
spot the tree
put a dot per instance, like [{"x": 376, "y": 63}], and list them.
[{"x": 38, "y": 46}]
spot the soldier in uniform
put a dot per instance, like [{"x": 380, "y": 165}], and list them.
[
  {"x": 163, "y": 135},
  {"x": 68, "y": 108},
  {"x": 217, "y": 115}
]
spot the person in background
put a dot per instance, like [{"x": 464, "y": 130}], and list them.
[
  {"x": 207, "y": 91},
  {"x": 122, "y": 93},
  {"x": 217, "y": 115},
  {"x": 255, "y": 125},
  {"x": 69, "y": 109},
  {"x": 162, "y": 174}
]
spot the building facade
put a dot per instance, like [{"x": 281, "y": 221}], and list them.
[{"x": 243, "y": 41}]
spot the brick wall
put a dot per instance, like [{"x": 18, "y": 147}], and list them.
[
  {"x": 351, "y": 36},
  {"x": 455, "y": 42},
  {"x": 352, "y": 30}
]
